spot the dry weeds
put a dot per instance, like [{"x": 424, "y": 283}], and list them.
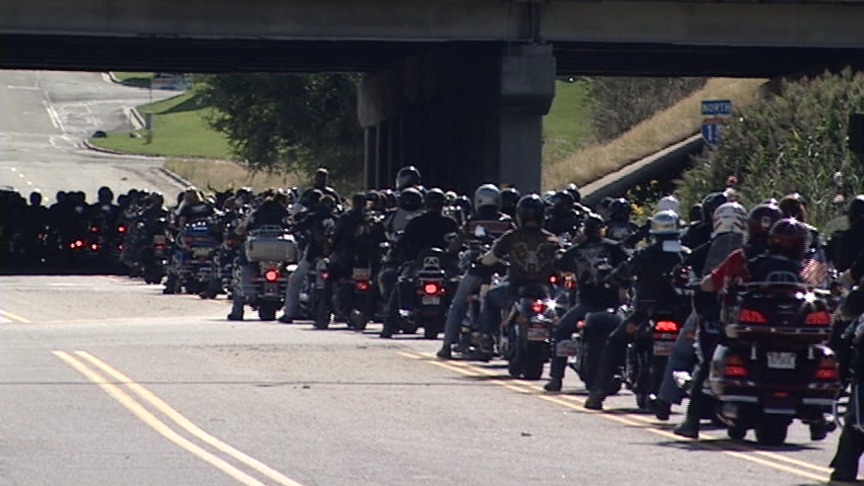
[
  {"x": 658, "y": 132},
  {"x": 224, "y": 174}
]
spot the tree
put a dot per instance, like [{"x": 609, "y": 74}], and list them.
[{"x": 281, "y": 122}]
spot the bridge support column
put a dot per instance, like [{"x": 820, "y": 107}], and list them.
[{"x": 463, "y": 118}]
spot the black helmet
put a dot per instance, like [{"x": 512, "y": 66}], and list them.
[
  {"x": 435, "y": 199},
  {"x": 761, "y": 219},
  {"x": 619, "y": 210},
  {"x": 593, "y": 224},
  {"x": 410, "y": 199},
  {"x": 711, "y": 203},
  {"x": 562, "y": 201},
  {"x": 530, "y": 208},
  {"x": 509, "y": 198},
  {"x": 407, "y": 177},
  {"x": 573, "y": 189},
  {"x": 789, "y": 237},
  {"x": 855, "y": 211},
  {"x": 695, "y": 212}
]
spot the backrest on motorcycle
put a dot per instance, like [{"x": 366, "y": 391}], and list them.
[{"x": 431, "y": 259}]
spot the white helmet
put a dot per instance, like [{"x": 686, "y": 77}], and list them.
[
  {"x": 730, "y": 217},
  {"x": 669, "y": 203},
  {"x": 664, "y": 223},
  {"x": 487, "y": 195}
]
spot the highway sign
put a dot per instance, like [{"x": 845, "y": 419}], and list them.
[
  {"x": 711, "y": 133},
  {"x": 716, "y": 107}
]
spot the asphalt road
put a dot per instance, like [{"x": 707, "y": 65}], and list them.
[{"x": 105, "y": 381}]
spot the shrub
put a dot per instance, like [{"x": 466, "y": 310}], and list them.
[{"x": 794, "y": 141}]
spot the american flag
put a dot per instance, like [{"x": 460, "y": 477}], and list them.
[{"x": 815, "y": 272}]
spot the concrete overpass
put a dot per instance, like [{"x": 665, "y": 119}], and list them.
[{"x": 458, "y": 87}]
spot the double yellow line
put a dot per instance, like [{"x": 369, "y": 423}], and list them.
[
  {"x": 115, "y": 383},
  {"x": 765, "y": 458},
  {"x": 14, "y": 317}
]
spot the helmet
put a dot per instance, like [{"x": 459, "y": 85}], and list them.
[
  {"x": 530, "y": 208},
  {"x": 407, "y": 177},
  {"x": 710, "y": 204},
  {"x": 855, "y": 211},
  {"x": 327, "y": 204},
  {"x": 487, "y": 195},
  {"x": 669, "y": 203},
  {"x": 509, "y": 198},
  {"x": 730, "y": 217},
  {"x": 619, "y": 209},
  {"x": 593, "y": 224},
  {"x": 696, "y": 212},
  {"x": 573, "y": 189},
  {"x": 435, "y": 199},
  {"x": 664, "y": 223},
  {"x": 410, "y": 199},
  {"x": 761, "y": 219},
  {"x": 105, "y": 194},
  {"x": 789, "y": 237},
  {"x": 547, "y": 197},
  {"x": 793, "y": 206},
  {"x": 562, "y": 201}
]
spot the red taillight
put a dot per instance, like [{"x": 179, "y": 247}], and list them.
[
  {"x": 780, "y": 394},
  {"x": 325, "y": 275},
  {"x": 94, "y": 229},
  {"x": 818, "y": 318},
  {"x": 750, "y": 315},
  {"x": 271, "y": 275},
  {"x": 121, "y": 229},
  {"x": 666, "y": 326},
  {"x": 79, "y": 243},
  {"x": 361, "y": 285},
  {"x": 734, "y": 366},
  {"x": 569, "y": 284},
  {"x": 430, "y": 288},
  {"x": 580, "y": 323},
  {"x": 538, "y": 307},
  {"x": 553, "y": 279},
  {"x": 826, "y": 369},
  {"x": 159, "y": 247},
  {"x": 94, "y": 246}
]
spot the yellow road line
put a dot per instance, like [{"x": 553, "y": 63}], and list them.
[
  {"x": 185, "y": 423},
  {"x": 159, "y": 426},
  {"x": 14, "y": 317},
  {"x": 575, "y": 403}
]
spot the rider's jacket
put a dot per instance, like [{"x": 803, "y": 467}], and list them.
[
  {"x": 358, "y": 233},
  {"x": 429, "y": 230},
  {"x": 396, "y": 221},
  {"x": 845, "y": 246},
  {"x": 698, "y": 234},
  {"x": 317, "y": 228},
  {"x": 620, "y": 230},
  {"x": 651, "y": 272},
  {"x": 269, "y": 213},
  {"x": 531, "y": 252},
  {"x": 591, "y": 261}
]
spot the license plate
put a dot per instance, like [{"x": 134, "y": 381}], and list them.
[
  {"x": 431, "y": 300},
  {"x": 201, "y": 252},
  {"x": 361, "y": 273},
  {"x": 159, "y": 240},
  {"x": 663, "y": 348},
  {"x": 781, "y": 360},
  {"x": 537, "y": 334}
]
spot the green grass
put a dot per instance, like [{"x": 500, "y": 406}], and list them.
[
  {"x": 567, "y": 127},
  {"x": 134, "y": 79},
  {"x": 179, "y": 130}
]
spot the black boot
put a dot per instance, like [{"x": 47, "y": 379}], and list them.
[{"x": 690, "y": 426}]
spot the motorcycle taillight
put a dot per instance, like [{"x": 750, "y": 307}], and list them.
[
  {"x": 569, "y": 284},
  {"x": 94, "y": 229},
  {"x": 818, "y": 318},
  {"x": 271, "y": 275},
  {"x": 734, "y": 366},
  {"x": 79, "y": 243},
  {"x": 362, "y": 285},
  {"x": 94, "y": 246},
  {"x": 826, "y": 369},
  {"x": 121, "y": 229},
  {"x": 666, "y": 325},
  {"x": 325, "y": 275},
  {"x": 750, "y": 315},
  {"x": 538, "y": 307},
  {"x": 553, "y": 279},
  {"x": 431, "y": 288}
]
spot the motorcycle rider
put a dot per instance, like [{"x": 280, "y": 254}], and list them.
[
  {"x": 845, "y": 246},
  {"x": 429, "y": 230},
  {"x": 618, "y": 224},
  {"x": 319, "y": 182},
  {"x": 272, "y": 212},
  {"x": 666, "y": 203},
  {"x": 318, "y": 226},
  {"x": 530, "y": 251},
  {"x": 562, "y": 217},
  {"x": 408, "y": 177},
  {"x": 395, "y": 221},
  {"x": 587, "y": 260},
  {"x": 651, "y": 268},
  {"x": 696, "y": 235},
  {"x": 487, "y": 214},
  {"x": 509, "y": 198}
]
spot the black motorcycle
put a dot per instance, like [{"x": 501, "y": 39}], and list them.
[{"x": 526, "y": 332}]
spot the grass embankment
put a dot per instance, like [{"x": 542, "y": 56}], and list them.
[
  {"x": 567, "y": 127},
  {"x": 662, "y": 130},
  {"x": 141, "y": 80}
]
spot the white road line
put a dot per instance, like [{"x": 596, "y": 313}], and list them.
[
  {"x": 55, "y": 118},
  {"x": 3, "y": 320},
  {"x": 31, "y": 88}
]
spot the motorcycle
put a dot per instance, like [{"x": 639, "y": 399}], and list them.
[
  {"x": 647, "y": 356},
  {"x": 585, "y": 347},
  {"x": 432, "y": 287},
  {"x": 191, "y": 264},
  {"x": 526, "y": 332},
  {"x": 775, "y": 368},
  {"x": 272, "y": 251},
  {"x": 351, "y": 296}
]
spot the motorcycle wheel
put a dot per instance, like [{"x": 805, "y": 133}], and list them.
[
  {"x": 533, "y": 365},
  {"x": 736, "y": 432},
  {"x": 772, "y": 430},
  {"x": 267, "y": 312},
  {"x": 430, "y": 330},
  {"x": 357, "y": 320}
]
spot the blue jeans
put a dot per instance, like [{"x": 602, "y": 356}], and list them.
[
  {"x": 459, "y": 307},
  {"x": 683, "y": 358},
  {"x": 563, "y": 332},
  {"x": 496, "y": 300},
  {"x": 295, "y": 285}
]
